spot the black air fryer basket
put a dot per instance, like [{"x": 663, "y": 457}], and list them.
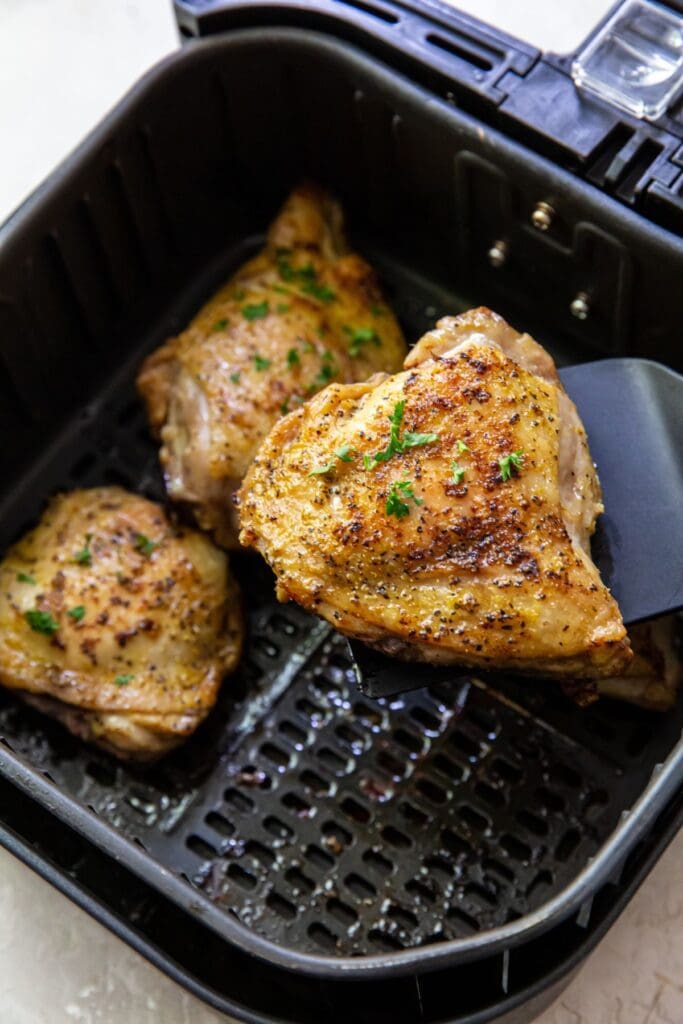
[{"x": 451, "y": 854}]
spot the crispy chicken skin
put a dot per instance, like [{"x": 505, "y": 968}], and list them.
[
  {"x": 303, "y": 312},
  {"x": 117, "y": 623},
  {"x": 441, "y": 552}
]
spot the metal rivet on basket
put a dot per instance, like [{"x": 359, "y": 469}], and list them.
[
  {"x": 498, "y": 253},
  {"x": 580, "y": 306},
  {"x": 542, "y": 216}
]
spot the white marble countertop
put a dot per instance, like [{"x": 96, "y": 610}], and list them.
[{"x": 63, "y": 63}]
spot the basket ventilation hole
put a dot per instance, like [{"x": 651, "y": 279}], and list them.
[
  {"x": 314, "y": 783},
  {"x": 360, "y": 886},
  {"x": 299, "y": 881},
  {"x": 278, "y": 828},
  {"x": 342, "y": 912},
  {"x": 281, "y": 906},
  {"x": 323, "y": 937},
  {"x": 219, "y": 824},
  {"x": 241, "y": 877},
  {"x": 375, "y": 860},
  {"x": 200, "y": 847},
  {"x": 413, "y": 815}
]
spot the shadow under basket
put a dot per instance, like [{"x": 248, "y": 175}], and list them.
[{"x": 451, "y": 854}]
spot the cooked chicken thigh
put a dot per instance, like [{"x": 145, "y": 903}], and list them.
[
  {"x": 443, "y": 513},
  {"x": 117, "y": 623},
  {"x": 303, "y": 312}
]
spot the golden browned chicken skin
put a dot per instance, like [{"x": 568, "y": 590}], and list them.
[
  {"x": 303, "y": 312},
  {"x": 116, "y": 622},
  {"x": 443, "y": 513}
]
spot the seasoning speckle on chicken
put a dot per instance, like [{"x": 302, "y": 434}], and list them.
[
  {"x": 444, "y": 513},
  {"x": 305, "y": 311},
  {"x": 116, "y": 622}
]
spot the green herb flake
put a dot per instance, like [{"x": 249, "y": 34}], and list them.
[
  {"x": 281, "y": 290},
  {"x": 220, "y": 325},
  {"x": 235, "y": 377},
  {"x": 458, "y": 473},
  {"x": 260, "y": 363},
  {"x": 462, "y": 447},
  {"x": 287, "y": 272},
  {"x": 23, "y": 577},
  {"x": 319, "y": 291},
  {"x": 41, "y": 622},
  {"x": 256, "y": 311},
  {"x": 293, "y": 358},
  {"x": 345, "y": 453},
  {"x": 284, "y": 408},
  {"x": 397, "y": 444},
  {"x": 239, "y": 294},
  {"x": 378, "y": 310},
  {"x": 77, "y": 613},
  {"x": 282, "y": 307},
  {"x": 360, "y": 336},
  {"x": 144, "y": 545},
  {"x": 84, "y": 556},
  {"x": 123, "y": 680},
  {"x": 510, "y": 464},
  {"x": 321, "y": 470},
  {"x": 307, "y": 347},
  {"x": 396, "y": 506}
]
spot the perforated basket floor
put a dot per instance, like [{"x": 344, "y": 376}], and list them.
[{"x": 324, "y": 821}]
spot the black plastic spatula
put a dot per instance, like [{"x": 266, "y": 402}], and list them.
[{"x": 633, "y": 413}]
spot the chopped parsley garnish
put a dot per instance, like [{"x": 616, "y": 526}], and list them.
[
  {"x": 395, "y": 504},
  {"x": 235, "y": 377},
  {"x": 462, "y": 447},
  {"x": 510, "y": 464},
  {"x": 328, "y": 370},
  {"x": 260, "y": 363},
  {"x": 293, "y": 358},
  {"x": 397, "y": 444},
  {"x": 256, "y": 311},
  {"x": 345, "y": 454},
  {"x": 458, "y": 472},
  {"x": 377, "y": 310},
  {"x": 318, "y": 291},
  {"x": 23, "y": 577},
  {"x": 282, "y": 307},
  {"x": 41, "y": 622},
  {"x": 77, "y": 613},
  {"x": 289, "y": 273},
  {"x": 84, "y": 556},
  {"x": 281, "y": 290},
  {"x": 220, "y": 325},
  {"x": 144, "y": 545},
  {"x": 123, "y": 680},
  {"x": 284, "y": 408},
  {"x": 321, "y": 470},
  {"x": 360, "y": 336},
  {"x": 305, "y": 277}
]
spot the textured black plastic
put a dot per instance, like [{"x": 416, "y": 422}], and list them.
[
  {"x": 192, "y": 955},
  {"x": 420, "y": 823},
  {"x": 529, "y": 95}
]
